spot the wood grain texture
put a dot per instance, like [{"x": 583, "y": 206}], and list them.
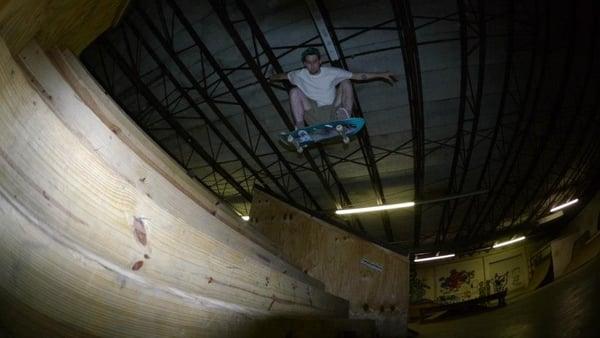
[
  {"x": 76, "y": 224},
  {"x": 71, "y": 24},
  {"x": 341, "y": 260},
  {"x": 88, "y": 96}
]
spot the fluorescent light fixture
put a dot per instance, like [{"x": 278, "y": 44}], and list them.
[
  {"x": 433, "y": 258},
  {"x": 246, "y": 218},
  {"x": 562, "y": 206},
  {"x": 514, "y": 240},
  {"x": 375, "y": 208}
]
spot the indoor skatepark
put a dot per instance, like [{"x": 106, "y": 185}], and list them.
[{"x": 143, "y": 191}]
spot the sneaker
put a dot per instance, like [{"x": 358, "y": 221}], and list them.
[{"x": 303, "y": 136}]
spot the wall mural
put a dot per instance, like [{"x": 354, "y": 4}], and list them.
[
  {"x": 500, "y": 281},
  {"x": 469, "y": 279},
  {"x": 457, "y": 286}
]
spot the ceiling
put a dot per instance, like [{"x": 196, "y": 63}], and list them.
[{"x": 494, "y": 118}]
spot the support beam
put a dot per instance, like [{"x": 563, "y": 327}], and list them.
[
  {"x": 412, "y": 69},
  {"x": 469, "y": 107}
]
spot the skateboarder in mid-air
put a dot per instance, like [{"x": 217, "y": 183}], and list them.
[{"x": 323, "y": 94}]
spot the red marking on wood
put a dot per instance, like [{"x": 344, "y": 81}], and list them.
[
  {"x": 139, "y": 230},
  {"x": 137, "y": 265}
]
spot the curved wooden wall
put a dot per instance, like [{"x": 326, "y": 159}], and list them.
[{"x": 94, "y": 240}]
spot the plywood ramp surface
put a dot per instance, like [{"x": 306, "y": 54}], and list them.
[
  {"x": 374, "y": 280},
  {"x": 85, "y": 242},
  {"x": 71, "y": 24},
  {"x": 86, "y": 95}
]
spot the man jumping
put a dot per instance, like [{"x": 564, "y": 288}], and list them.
[{"x": 315, "y": 98}]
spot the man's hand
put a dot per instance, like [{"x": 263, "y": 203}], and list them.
[{"x": 388, "y": 77}]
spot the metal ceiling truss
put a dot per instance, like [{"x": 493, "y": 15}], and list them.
[
  {"x": 500, "y": 149},
  {"x": 582, "y": 119},
  {"x": 526, "y": 187},
  {"x": 412, "y": 70},
  {"x": 473, "y": 21},
  {"x": 508, "y": 134},
  {"x": 521, "y": 166}
]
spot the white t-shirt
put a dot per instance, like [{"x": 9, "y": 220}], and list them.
[{"x": 320, "y": 87}]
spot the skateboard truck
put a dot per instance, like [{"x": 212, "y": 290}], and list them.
[
  {"x": 341, "y": 130},
  {"x": 294, "y": 141}
]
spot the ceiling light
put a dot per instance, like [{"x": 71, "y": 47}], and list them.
[
  {"x": 433, "y": 258},
  {"x": 518, "y": 239},
  {"x": 564, "y": 205},
  {"x": 375, "y": 208},
  {"x": 246, "y": 218}
]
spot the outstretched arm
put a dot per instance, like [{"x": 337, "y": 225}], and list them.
[
  {"x": 385, "y": 76},
  {"x": 278, "y": 77}
]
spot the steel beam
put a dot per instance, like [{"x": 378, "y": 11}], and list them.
[
  {"x": 469, "y": 107},
  {"x": 412, "y": 69}
]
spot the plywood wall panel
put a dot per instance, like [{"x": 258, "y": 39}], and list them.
[{"x": 373, "y": 279}]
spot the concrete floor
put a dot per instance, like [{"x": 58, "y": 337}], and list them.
[{"x": 569, "y": 307}]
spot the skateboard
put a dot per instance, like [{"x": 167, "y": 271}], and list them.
[{"x": 333, "y": 131}]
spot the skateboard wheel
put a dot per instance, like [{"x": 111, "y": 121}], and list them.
[
  {"x": 299, "y": 150},
  {"x": 290, "y": 138},
  {"x": 339, "y": 128},
  {"x": 346, "y": 139}
]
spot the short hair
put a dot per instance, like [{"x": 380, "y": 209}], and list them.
[{"x": 310, "y": 51}]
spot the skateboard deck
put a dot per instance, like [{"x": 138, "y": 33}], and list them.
[{"x": 328, "y": 132}]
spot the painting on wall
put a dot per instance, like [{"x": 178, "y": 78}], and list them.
[
  {"x": 509, "y": 273},
  {"x": 456, "y": 286},
  {"x": 459, "y": 282}
]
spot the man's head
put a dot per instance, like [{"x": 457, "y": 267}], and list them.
[{"x": 312, "y": 60}]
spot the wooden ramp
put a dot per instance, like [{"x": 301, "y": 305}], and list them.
[{"x": 101, "y": 234}]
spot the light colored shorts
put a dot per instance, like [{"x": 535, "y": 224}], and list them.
[{"x": 323, "y": 114}]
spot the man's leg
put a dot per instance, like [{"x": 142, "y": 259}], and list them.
[
  {"x": 299, "y": 104},
  {"x": 345, "y": 100}
]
